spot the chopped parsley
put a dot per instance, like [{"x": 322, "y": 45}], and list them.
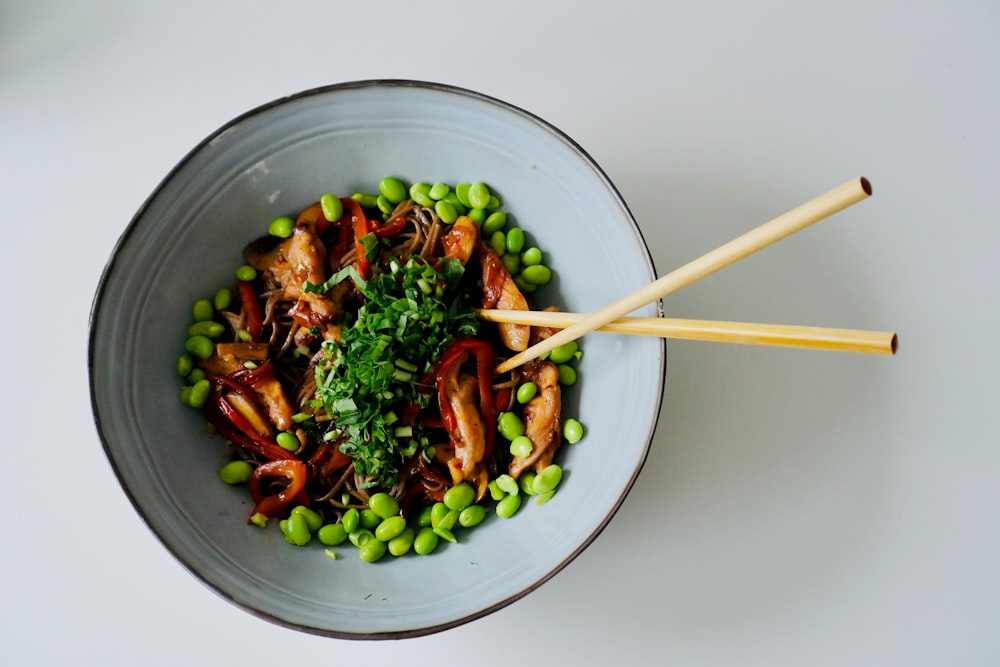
[{"x": 375, "y": 371}]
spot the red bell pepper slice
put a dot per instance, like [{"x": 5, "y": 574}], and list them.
[
  {"x": 391, "y": 227},
  {"x": 271, "y": 505},
  {"x": 235, "y": 427},
  {"x": 483, "y": 353},
  {"x": 251, "y": 306},
  {"x": 362, "y": 227}
]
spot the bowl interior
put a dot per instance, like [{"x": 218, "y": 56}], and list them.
[{"x": 186, "y": 241}]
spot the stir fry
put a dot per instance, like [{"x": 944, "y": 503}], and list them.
[{"x": 356, "y": 385}]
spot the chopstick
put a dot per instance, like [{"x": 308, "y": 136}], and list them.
[
  {"x": 756, "y": 239},
  {"x": 776, "y": 335}
]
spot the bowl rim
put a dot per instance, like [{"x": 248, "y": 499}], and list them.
[{"x": 130, "y": 228}]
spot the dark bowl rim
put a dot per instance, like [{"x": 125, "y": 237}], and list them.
[{"x": 133, "y": 223}]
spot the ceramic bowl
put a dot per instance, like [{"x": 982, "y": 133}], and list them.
[{"x": 274, "y": 160}]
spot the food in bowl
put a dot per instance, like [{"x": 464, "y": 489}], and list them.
[{"x": 355, "y": 384}]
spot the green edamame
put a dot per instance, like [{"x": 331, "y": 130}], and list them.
[
  {"x": 508, "y": 506},
  {"x": 421, "y": 194},
  {"x": 199, "y": 346},
  {"x": 372, "y": 550},
  {"x": 360, "y": 536},
  {"x": 313, "y": 518},
  {"x": 521, "y": 446},
  {"x": 494, "y": 222},
  {"x": 196, "y": 375},
  {"x": 537, "y": 274},
  {"x": 524, "y": 285},
  {"x": 246, "y": 273},
  {"x": 510, "y": 425},
  {"x": 185, "y": 364},
  {"x": 446, "y": 211},
  {"x": 199, "y": 394},
  {"x": 567, "y": 375},
  {"x": 438, "y": 511},
  {"x": 223, "y": 298},
  {"x": 527, "y": 482},
  {"x": 439, "y": 191},
  {"x": 526, "y": 392},
  {"x": 402, "y": 543},
  {"x": 383, "y": 505},
  {"x": 333, "y": 208},
  {"x": 515, "y": 240},
  {"x": 512, "y": 263},
  {"x": 281, "y": 227},
  {"x": 203, "y": 310},
  {"x": 426, "y": 541},
  {"x": 572, "y": 431},
  {"x": 208, "y": 328},
  {"x": 390, "y": 528},
  {"x": 369, "y": 519},
  {"x": 445, "y": 533},
  {"x": 473, "y": 515},
  {"x": 392, "y": 189},
  {"x": 424, "y": 519},
  {"x": 495, "y": 491},
  {"x": 477, "y": 215},
  {"x": 459, "y": 496},
  {"x": 297, "y": 530},
  {"x": 507, "y": 484},
  {"x": 365, "y": 199},
  {"x": 479, "y": 195},
  {"x": 564, "y": 353},
  {"x": 548, "y": 479},
  {"x": 462, "y": 192},
  {"x": 351, "y": 520},
  {"x": 332, "y": 534},
  {"x": 287, "y": 441},
  {"x": 236, "y": 472},
  {"x": 531, "y": 256},
  {"x": 384, "y": 205}
]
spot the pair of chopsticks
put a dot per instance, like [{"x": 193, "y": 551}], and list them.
[{"x": 612, "y": 317}]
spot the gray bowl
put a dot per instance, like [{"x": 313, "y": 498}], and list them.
[{"x": 187, "y": 238}]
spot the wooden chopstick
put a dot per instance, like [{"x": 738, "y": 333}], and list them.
[
  {"x": 756, "y": 239},
  {"x": 745, "y": 333}
]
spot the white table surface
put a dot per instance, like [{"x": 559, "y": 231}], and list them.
[{"x": 797, "y": 508}]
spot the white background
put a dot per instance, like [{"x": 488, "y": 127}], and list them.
[{"x": 797, "y": 508}]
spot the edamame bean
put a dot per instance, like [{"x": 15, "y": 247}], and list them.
[
  {"x": 508, "y": 506},
  {"x": 567, "y": 375},
  {"x": 564, "y": 352},
  {"x": 473, "y": 515},
  {"x": 199, "y": 346},
  {"x": 544, "y": 497},
  {"x": 383, "y": 505},
  {"x": 521, "y": 446},
  {"x": 462, "y": 192},
  {"x": 332, "y": 534},
  {"x": 390, "y": 528},
  {"x": 246, "y": 273},
  {"x": 369, "y": 519},
  {"x": 572, "y": 431},
  {"x": 510, "y": 425},
  {"x": 526, "y": 392},
  {"x": 313, "y": 518},
  {"x": 392, "y": 189},
  {"x": 438, "y": 191},
  {"x": 459, "y": 496},
  {"x": 333, "y": 208},
  {"x": 372, "y": 550},
  {"x": 185, "y": 395},
  {"x": 498, "y": 241},
  {"x": 351, "y": 520},
  {"x": 548, "y": 479},
  {"x": 196, "y": 375},
  {"x": 515, "y": 240},
  {"x": 495, "y": 491},
  {"x": 478, "y": 216},
  {"x": 360, "y": 536},
  {"x": 527, "y": 482},
  {"x": 494, "y": 201},
  {"x": 446, "y": 522},
  {"x": 199, "y": 394},
  {"x": 365, "y": 200},
  {"x": 424, "y": 519},
  {"x": 531, "y": 256},
  {"x": 297, "y": 530},
  {"x": 537, "y": 274},
  {"x": 479, "y": 195},
  {"x": 203, "y": 310},
  {"x": 507, "y": 484},
  {"x": 281, "y": 227},
  {"x": 524, "y": 285},
  {"x": 445, "y": 533},
  {"x": 208, "y": 328},
  {"x": 452, "y": 199},
  {"x": 185, "y": 364},
  {"x": 446, "y": 211},
  {"x": 512, "y": 263},
  {"x": 287, "y": 441},
  {"x": 384, "y": 205},
  {"x": 223, "y": 298},
  {"x": 494, "y": 222},
  {"x": 421, "y": 194},
  {"x": 402, "y": 543},
  {"x": 426, "y": 541},
  {"x": 236, "y": 472},
  {"x": 438, "y": 512}
]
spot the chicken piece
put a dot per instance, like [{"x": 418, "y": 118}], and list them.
[
  {"x": 469, "y": 436},
  {"x": 301, "y": 258},
  {"x": 499, "y": 291},
  {"x": 461, "y": 240},
  {"x": 270, "y": 392},
  {"x": 542, "y": 423}
]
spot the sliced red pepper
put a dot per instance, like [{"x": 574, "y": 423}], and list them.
[
  {"x": 235, "y": 427},
  {"x": 391, "y": 227},
  {"x": 271, "y": 505},
  {"x": 251, "y": 306},
  {"x": 362, "y": 227},
  {"x": 483, "y": 353}
]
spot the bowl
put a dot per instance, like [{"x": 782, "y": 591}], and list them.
[{"x": 185, "y": 241}]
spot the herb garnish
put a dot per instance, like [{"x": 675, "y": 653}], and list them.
[{"x": 374, "y": 372}]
